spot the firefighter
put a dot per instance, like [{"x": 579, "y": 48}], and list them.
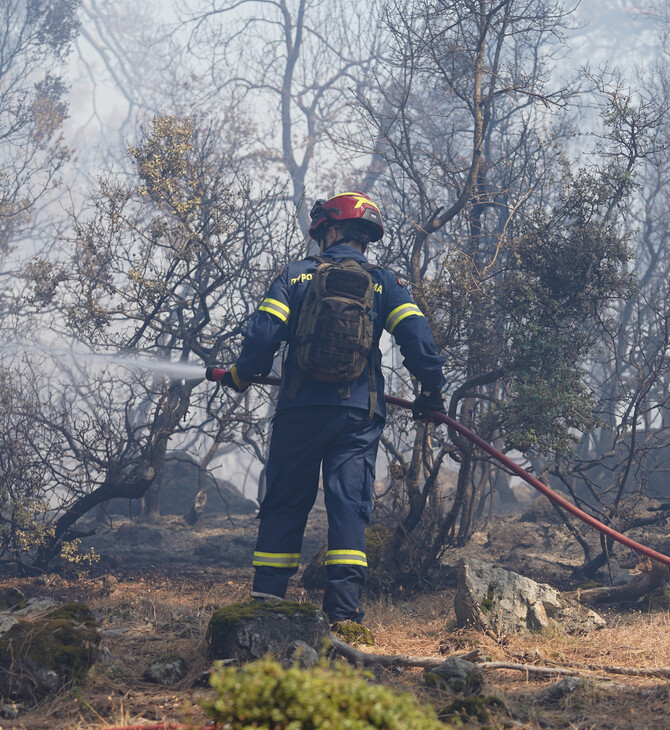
[{"x": 329, "y": 426}]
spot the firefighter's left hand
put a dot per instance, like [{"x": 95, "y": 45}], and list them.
[
  {"x": 232, "y": 380},
  {"x": 427, "y": 401}
]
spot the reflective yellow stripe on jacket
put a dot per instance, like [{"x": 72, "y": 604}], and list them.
[
  {"x": 279, "y": 309},
  {"x": 277, "y": 560},
  {"x": 346, "y": 557},
  {"x": 399, "y": 313}
]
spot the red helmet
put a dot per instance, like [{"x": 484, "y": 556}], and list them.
[{"x": 346, "y": 207}]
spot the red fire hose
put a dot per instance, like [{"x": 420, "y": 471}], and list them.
[{"x": 218, "y": 373}]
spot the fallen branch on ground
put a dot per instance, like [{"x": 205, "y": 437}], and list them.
[
  {"x": 640, "y": 586},
  {"x": 569, "y": 672},
  {"x": 362, "y": 658}
]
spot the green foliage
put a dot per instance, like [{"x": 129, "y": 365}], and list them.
[
  {"x": 54, "y": 23},
  {"x": 547, "y": 397},
  {"x": 265, "y": 695},
  {"x": 353, "y": 633}
]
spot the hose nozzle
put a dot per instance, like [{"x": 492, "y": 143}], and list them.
[{"x": 215, "y": 374}]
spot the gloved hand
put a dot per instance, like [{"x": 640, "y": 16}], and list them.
[
  {"x": 232, "y": 380},
  {"x": 427, "y": 400}
]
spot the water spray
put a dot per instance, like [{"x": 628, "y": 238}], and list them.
[
  {"x": 216, "y": 374},
  {"x": 173, "y": 370}
]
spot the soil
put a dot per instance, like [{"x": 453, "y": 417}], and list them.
[{"x": 156, "y": 585}]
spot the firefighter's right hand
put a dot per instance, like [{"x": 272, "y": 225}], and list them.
[
  {"x": 231, "y": 379},
  {"x": 427, "y": 401}
]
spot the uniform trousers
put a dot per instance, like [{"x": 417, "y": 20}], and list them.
[{"x": 342, "y": 442}]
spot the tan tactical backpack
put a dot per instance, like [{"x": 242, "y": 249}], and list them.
[{"x": 333, "y": 338}]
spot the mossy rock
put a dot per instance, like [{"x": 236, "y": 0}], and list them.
[
  {"x": 266, "y": 695},
  {"x": 11, "y": 599},
  {"x": 78, "y": 613},
  {"x": 353, "y": 633},
  {"x": 250, "y": 631},
  {"x": 41, "y": 655}
]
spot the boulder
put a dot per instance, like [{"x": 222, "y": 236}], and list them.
[
  {"x": 492, "y": 599},
  {"x": 459, "y": 675},
  {"x": 44, "y": 647},
  {"x": 249, "y": 631},
  {"x": 558, "y": 691},
  {"x": 541, "y": 510},
  {"x": 166, "y": 670},
  {"x": 178, "y": 483},
  {"x": 11, "y": 598}
]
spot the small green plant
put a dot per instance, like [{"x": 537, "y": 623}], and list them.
[
  {"x": 353, "y": 633},
  {"x": 264, "y": 694}
]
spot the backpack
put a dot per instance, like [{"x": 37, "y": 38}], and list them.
[{"x": 333, "y": 339}]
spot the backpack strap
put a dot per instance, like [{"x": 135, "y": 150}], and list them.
[
  {"x": 299, "y": 378},
  {"x": 372, "y": 382},
  {"x": 294, "y": 385}
]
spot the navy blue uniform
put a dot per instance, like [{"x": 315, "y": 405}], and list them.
[{"x": 321, "y": 427}]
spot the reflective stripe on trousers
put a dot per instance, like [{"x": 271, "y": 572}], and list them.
[{"x": 280, "y": 560}]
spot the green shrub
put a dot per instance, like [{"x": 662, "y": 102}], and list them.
[{"x": 265, "y": 695}]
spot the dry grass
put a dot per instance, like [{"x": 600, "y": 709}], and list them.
[{"x": 155, "y": 613}]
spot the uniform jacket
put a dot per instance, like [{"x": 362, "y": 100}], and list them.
[{"x": 394, "y": 311}]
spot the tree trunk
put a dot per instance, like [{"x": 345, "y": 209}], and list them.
[
  {"x": 193, "y": 516},
  {"x": 151, "y": 506},
  {"x": 654, "y": 577}
]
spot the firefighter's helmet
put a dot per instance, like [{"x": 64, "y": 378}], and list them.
[{"x": 346, "y": 207}]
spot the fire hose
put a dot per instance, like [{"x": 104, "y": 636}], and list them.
[{"x": 216, "y": 374}]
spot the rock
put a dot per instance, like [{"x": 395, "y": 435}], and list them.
[
  {"x": 10, "y": 711},
  {"x": 11, "y": 598},
  {"x": 492, "y": 599},
  {"x": 44, "y": 648},
  {"x": 541, "y": 510},
  {"x": 178, "y": 482},
  {"x": 249, "y": 631},
  {"x": 35, "y": 606},
  {"x": 561, "y": 689},
  {"x": 168, "y": 669},
  {"x": 6, "y": 623},
  {"x": 459, "y": 675},
  {"x": 109, "y": 584},
  {"x": 106, "y": 657},
  {"x": 305, "y": 656}
]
